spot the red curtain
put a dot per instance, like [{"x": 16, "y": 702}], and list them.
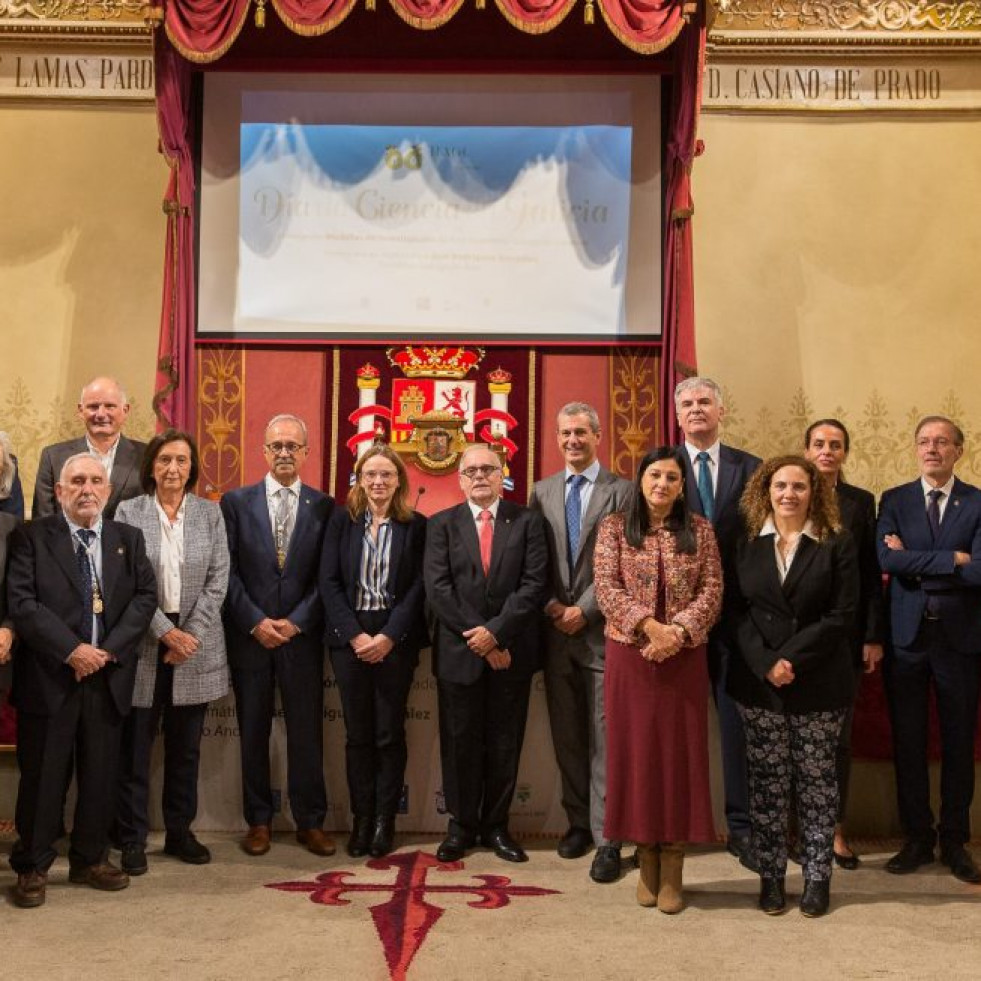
[
  {"x": 203, "y": 30},
  {"x": 678, "y": 324},
  {"x": 426, "y": 14},
  {"x": 173, "y": 401},
  {"x": 645, "y": 26},
  {"x": 312, "y": 17},
  {"x": 535, "y": 16}
]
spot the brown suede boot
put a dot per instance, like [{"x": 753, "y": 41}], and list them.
[
  {"x": 669, "y": 895},
  {"x": 648, "y": 880}
]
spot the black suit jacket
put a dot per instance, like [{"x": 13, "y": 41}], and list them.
[
  {"x": 808, "y": 619},
  {"x": 735, "y": 469},
  {"x": 339, "y": 566},
  {"x": 125, "y": 479},
  {"x": 257, "y": 587},
  {"x": 508, "y": 601},
  {"x": 927, "y": 566},
  {"x": 7, "y": 524},
  {"x": 45, "y": 594},
  {"x": 857, "y": 507}
]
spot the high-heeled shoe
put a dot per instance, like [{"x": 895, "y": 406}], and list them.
[
  {"x": 773, "y": 896},
  {"x": 816, "y": 897},
  {"x": 850, "y": 862}
]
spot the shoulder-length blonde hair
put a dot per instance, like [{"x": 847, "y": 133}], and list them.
[
  {"x": 756, "y": 507},
  {"x": 8, "y": 467},
  {"x": 357, "y": 499}
]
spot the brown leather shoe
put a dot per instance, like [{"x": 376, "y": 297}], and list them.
[
  {"x": 29, "y": 891},
  {"x": 256, "y": 840},
  {"x": 100, "y": 876},
  {"x": 316, "y": 841}
]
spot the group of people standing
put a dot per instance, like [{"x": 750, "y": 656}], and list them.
[{"x": 133, "y": 603}]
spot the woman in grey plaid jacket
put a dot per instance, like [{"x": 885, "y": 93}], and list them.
[{"x": 183, "y": 664}]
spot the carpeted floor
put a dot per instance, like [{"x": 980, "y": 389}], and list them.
[{"x": 488, "y": 919}]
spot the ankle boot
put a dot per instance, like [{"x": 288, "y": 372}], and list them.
[
  {"x": 360, "y": 840},
  {"x": 383, "y": 836},
  {"x": 669, "y": 894},
  {"x": 648, "y": 881}
]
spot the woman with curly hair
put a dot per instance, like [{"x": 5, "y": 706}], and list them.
[
  {"x": 658, "y": 583},
  {"x": 797, "y": 572}
]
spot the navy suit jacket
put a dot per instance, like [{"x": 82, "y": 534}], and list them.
[
  {"x": 507, "y": 601},
  {"x": 257, "y": 587},
  {"x": 45, "y": 594},
  {"x": 339, "y": 567},
  {"x": 924, "y": 566}
]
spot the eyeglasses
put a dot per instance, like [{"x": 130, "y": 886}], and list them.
[
  {"x": 484, "y": 471},
  {"x": 940, "y": 442},
  {"x": 291, "y": 448},
  {"x": 372, "y": 475}
]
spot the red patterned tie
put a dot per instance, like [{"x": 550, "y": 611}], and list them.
[{"x": 486, "y": 538}]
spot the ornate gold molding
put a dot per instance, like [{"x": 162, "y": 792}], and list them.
[
  {"x": 74, "y": 19},
  {"x": 634, "y": 374},
  {"x": 829, "y": 23}
]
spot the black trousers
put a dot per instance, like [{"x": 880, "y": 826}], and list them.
[
  {"x": 481, "y": 731},
  {"x": 373, "y": 697},
  {"x": 955, "y": 678},
  {"x": 86, "y": 728},
  {"x": 298, "y": 669},
  {"x": 182, "y": 725}
]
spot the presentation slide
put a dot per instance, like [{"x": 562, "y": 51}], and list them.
[{"x": 345, "y": 212}]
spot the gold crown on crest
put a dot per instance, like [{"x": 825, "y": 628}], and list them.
[{"x": 434, "y": 362}]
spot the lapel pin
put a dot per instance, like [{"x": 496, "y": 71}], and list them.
[{"x": 121, "y": 550}]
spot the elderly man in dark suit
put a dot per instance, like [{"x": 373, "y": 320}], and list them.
[
  {"x": 81, "y": 594},
  {"x": 103, "y": 408},
  {"x": 485, "y": 573},
  {"x": 929, "y": 535},
  {"x": 274, "y": 629},
  {"x": 715, "y": 477},
  {"x": 572, "y": 502}
]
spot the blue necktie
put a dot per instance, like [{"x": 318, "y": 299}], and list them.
[
  {"x": 933, "y": 512},
  {"x": 85, "y": 538},
  {"x": 705, "y": 484},
  {"x": 573, "y": 517}
]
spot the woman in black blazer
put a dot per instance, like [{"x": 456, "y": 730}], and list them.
[
  {"x": 826, "y": 445},
  {"x": 372, "y": 588},
  {"x": 797, "y": 574}
]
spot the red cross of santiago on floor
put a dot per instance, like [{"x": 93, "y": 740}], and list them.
[{"x": 405, "y": 918}]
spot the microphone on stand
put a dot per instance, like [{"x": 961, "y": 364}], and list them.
[{"x": 419, "y": 493}]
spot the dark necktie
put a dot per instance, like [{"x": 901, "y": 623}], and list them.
[
  {"x": 705, "y": 484},
  {"x": 573, "y": 517},
  {"x": 933, "y": 512},
  {"x": 85, "y": 538}
]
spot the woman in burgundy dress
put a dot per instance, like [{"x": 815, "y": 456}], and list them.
[{"x": 658, "y": 583}]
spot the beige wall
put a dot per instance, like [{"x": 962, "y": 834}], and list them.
[
  {"x": 81, "y": 254},
  {"x": 836, "y": 267}
]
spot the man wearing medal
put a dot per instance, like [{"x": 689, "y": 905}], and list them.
[
  {"x": 81, "y": 595},
  {"x": 274, "y": 635}
]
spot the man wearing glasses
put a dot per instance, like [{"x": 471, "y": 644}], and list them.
[
  {"x": 929, "y": 541},
  {"x": 273, "y": 629},
  {"x": 485, "y": 574}
]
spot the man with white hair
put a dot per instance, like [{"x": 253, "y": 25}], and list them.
[
  {"x": 103, "y": 408},
  {"x": 81, "y": 595}
]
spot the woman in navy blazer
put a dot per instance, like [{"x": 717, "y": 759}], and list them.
[
  {"x": 797, "y": 574},
  {"x": 372, "y": 588}
]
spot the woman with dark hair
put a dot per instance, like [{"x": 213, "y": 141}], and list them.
[
  {"x": 183, "y": 664},
  {"x": 826, "y": 445},
  {"x": 372, "y": 589},
  {"x": 11, "y": 493},
  {"x": 793, "y": 680},
  {"x": 658, "y": 583}
]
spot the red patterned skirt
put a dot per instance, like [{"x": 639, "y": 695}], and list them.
[{"x": 657, "y": 771}]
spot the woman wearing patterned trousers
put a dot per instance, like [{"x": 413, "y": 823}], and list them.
[{"x": 797, "y": 572}]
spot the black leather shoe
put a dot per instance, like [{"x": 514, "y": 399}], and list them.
[
  {"x": 361, "y": 834},
  {"x": 910, "y": 857},
  {"x": 850, "y": 862},
  {"x": 187, "y": 849},
  {"x": 958, "y": 859},
  {"x": 816, "y": 897},
  {"x": 382, "y": 836},
  {"x": 504, "y": 846},
  {"x": 606, "y": 864},
  {"x": 453, "y": 847},
  {"x": 773, "y": 896},
  {"x": 132, "y": 859},
  {"x": 575, "y": 843},
  {"x": 742, "y": 848}
]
